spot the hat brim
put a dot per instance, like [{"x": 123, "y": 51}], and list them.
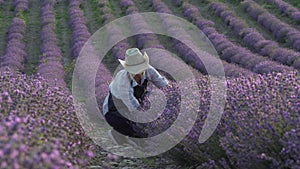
[{"x": 136, "y": 68}]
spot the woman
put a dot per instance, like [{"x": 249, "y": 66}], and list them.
[{"x": 126, "y": 94}]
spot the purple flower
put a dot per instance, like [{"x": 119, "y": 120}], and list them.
[{"x": 126, "y": 3}]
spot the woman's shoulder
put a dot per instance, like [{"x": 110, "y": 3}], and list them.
[{"x": 121, "y": 73}]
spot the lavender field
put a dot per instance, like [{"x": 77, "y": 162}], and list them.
[{"x": 258, "y": 42}]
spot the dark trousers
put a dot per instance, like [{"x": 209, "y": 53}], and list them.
[
  {"x": 123, "y": 125},
  {"x": 118, "y": 121}
]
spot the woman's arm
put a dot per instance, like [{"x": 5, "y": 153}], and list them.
[{"x": 155, "y": 77}]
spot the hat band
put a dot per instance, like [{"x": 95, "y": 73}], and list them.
[{"x": 135, "y": 64}]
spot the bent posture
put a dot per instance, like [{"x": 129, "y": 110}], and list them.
[{"x": 127, "y": 91}]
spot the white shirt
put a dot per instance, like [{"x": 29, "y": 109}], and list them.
[{"x": 123, "y": 83}]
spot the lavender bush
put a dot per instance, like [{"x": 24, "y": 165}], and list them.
[
  {"x": 259, "y": 126},
  {"x": 21, "y": 5},
  {"x": 78, "y": 24},
  {"x": 254, "y": 131},
  {"x": 39, "y": 127},
  {"x": 50, "y": 64},
  {"x": 15, "y": 53}
]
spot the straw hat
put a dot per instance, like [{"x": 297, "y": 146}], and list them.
[{"x": 135, "y": 62}]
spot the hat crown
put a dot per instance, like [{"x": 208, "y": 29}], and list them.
[
  {"x": 135, "y": 61},
  {"x": 134, "y": 57}
]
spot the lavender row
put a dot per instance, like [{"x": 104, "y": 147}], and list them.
[
  {"x": 39, "y": 126},
  {"x": 173, "y": 28},
  {"x": 288, "y": 9},
  {"x": 251, "y": 134},
  {"x": 50, "y": 62},
  {"x": 15, "y": 53},
  {"x": 80, "y": 37},
  {"x": 114, "y": 33},
  {"x": 21, "y": 5},
  {"x": 137, "y": 23},
  {"x": 229, "y": 51},
  {"x": 254, "y": 39},
  {"x": 86, "y": 77},
  {"x": 279, "y": 29},
  {"x": 106, "y": 11},
  {"x": 78, "y": 24}
]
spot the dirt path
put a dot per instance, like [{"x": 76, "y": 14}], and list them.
[
  {"x": 64, "y": 34},
  {"x": 32, "y": 36},
  {"x": 6, "y": 15}
]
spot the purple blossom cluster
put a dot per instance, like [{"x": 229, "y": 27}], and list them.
[
  {"x": 17, "y": 136},
  {"x": 286, "y": 8},
  {"x": 39, "y": 127},
  {"x": 231, "y": 52},
  {"x": 50, "y": 62},
  {"x": 78, "y": 24},
  {"x": 15, "y": 53},
  {"x": 259, "y": 126},
  {"x": 126, "y": 3},
  {"x": 291, "y": 150},
  {"x": 129, "y": 5},
  {"x": 253, "y": 39},
  {"x": 173, "y": 28},
  {"x": 21, "y": 5},
  {"x": 279, "y": 29}
]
